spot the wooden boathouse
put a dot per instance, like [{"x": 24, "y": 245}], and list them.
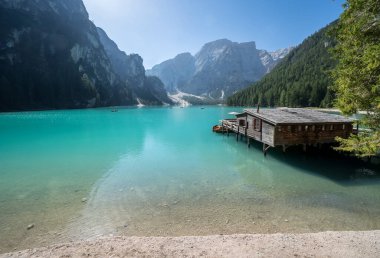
[{"x": 288, "y": 127}]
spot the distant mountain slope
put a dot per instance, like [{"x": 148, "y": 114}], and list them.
[
  {"x": 223, "y": 67},
  {"x": 130, "y": 69},
  {"x": 175, "y": 73},
  {"x": 300, "y": 79},
  {"x": 51, "y": 57},
  {"x": 218, "y": 70}
]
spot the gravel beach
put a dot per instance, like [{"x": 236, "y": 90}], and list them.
[{"x": 323, "y": 244}]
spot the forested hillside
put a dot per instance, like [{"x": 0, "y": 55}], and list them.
[{"x": 301, "y": 79}]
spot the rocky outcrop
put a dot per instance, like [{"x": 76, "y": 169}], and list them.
[
  {"x": 223, "y": 67},
  {"x": 130, "y": 69},
  {"x": 176, "y": 72},
  {"x": 219, "y": 69},
  {"x": 271, "y": 59}
]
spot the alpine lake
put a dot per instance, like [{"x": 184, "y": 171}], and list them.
[{"x": 161, "y": 171}]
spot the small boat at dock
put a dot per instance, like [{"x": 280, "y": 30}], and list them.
[{"x": 218, "y": 129}]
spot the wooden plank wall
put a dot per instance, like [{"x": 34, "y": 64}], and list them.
[
  {"x": 268, "y": 134},
  {"x": 292, "y": 134},
  {"x": 310, "y": 134},
  {"x": 255, "y": 134}
]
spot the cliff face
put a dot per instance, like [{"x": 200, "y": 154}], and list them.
[
  {"x": 176, "y": 72},
  {"x": 223, "y": 67},
  {"x": 130, "y": 69},
  {"x": 219, "y": 69},
  {"x": 51, "y": 57}
]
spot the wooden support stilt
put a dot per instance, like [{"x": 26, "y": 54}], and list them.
[
  {"x": 304, "y": 147},
  {"x": 265, "y": 149},
  {"x": 249, "y": 142},
  {"x": 284, "y": 147},
  {"x": 237, "y": 134}
]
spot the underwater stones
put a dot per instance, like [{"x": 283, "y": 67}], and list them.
[
  {"x": 84, "y": 199},
  {"x": 30, "y": 226}
]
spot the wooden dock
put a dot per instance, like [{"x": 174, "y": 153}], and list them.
[{"x": 288, "y": 127}]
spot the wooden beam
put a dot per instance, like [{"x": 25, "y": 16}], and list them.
[{"x": 265, "y": 149}]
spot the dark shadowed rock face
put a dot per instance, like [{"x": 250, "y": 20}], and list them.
[
  {"x": 219, "y": 69},
  {"x": 51, "y": 57}
]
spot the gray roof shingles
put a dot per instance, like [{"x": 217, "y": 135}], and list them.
[{"x": 297, "y": 116}]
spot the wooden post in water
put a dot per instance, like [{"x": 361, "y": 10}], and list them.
[
  {"x": 249, "y": 142},
  {"x": 237, "y": 134},
  {"x": 245, "y": 133},
  {"x": 265, "y": 149}
]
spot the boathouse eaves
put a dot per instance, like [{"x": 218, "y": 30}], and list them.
[{"x": 288, "y": 116}]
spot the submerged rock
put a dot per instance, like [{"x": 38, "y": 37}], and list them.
[{"x": 30, "y": 226}]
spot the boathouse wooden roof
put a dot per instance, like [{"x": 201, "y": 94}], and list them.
[{"x": 297, "y": 116}]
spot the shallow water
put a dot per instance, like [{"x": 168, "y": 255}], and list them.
[{"x": 161, "y": 171}]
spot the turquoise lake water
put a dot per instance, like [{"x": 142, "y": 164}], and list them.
[{"x": 161, "y": 171}]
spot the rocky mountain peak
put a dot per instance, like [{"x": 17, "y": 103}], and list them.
[
  {"x": 280, "y": 53},
  {"x": 220, "y": 68}
]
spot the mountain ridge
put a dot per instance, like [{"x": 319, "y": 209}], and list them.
[
  {"x": 51, "y": 57},
  {"x": 130, "y": 68},
  {"x": 217, "y": 70}
]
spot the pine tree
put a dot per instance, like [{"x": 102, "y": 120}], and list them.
[
  {"x": 357, "y": 75},
  {"x": 303, "y": 76}
]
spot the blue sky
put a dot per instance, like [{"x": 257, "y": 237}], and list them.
[{"x": 160, "y": 29}]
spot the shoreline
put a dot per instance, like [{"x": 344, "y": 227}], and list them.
[{"x": 322, "y": 244}]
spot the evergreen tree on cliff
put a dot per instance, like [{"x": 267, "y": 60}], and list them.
[{"x": 357, "y": 75}]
